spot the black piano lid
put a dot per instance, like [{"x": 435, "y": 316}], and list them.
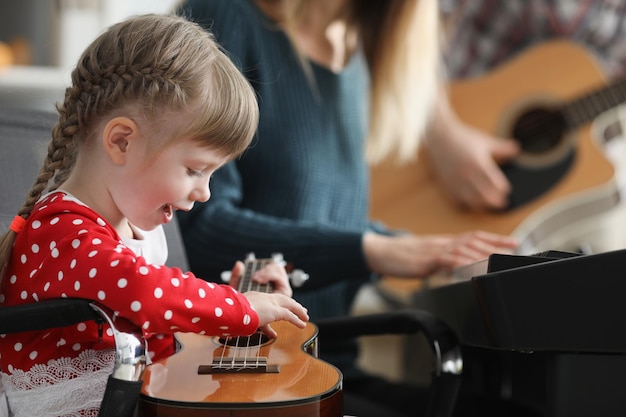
[{"x": 563, "y": 302}]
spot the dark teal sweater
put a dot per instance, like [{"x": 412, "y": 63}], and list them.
[{"x": 302, "y": 187}]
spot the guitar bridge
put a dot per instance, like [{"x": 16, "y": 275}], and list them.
[{"x": 238, "y": 365}]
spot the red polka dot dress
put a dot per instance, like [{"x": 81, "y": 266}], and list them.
[{"x": 67, "y": 250}]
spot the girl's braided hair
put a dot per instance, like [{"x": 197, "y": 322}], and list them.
[{"x": 150, "y": 66}]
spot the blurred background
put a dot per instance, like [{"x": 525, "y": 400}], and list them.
[{"x": 40, "y": 41}]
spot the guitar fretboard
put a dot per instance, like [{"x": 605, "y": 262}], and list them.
[
  {"x": 587, "y": 107},
  {"x": 247, "y": 283}
]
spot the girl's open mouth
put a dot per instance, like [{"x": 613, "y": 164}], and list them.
[{"x": 168, "y": 211}]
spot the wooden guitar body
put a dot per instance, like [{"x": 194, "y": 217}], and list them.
[
  {"x": 297, "y": 384},
  {"x": 571, "y": 181}
]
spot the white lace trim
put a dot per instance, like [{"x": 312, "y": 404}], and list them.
[{"x": 68, "y": 387}]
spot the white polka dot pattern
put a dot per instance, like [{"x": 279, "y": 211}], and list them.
[{"x": 67, "y": 250}]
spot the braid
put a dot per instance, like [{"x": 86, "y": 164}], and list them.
[
  {"x": 87, "y": 98},
  {"x": 60, "y": 158},
  {"x": 93, "y": 93},
  {"x": 63, "y": 143}
]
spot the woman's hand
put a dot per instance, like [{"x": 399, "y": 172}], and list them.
[
  {"x": 274, "y": 306},
  {"x": 467, "y": 161},
  {"x": 272, "y": 273},
  {"x": 408, "y": 255}
]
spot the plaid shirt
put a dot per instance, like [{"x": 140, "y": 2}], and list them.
[{"x": 484, "y": 33}]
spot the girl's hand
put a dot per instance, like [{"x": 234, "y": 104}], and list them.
[{"x": 274, "y": 307}]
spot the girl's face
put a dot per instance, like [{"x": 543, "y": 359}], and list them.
[{"x": 173, "y": 179}]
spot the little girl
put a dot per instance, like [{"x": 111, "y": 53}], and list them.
[{"x": 153, "y": 110}]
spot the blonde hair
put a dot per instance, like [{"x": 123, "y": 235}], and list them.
[
  {"x": 401, "y": 41},
  {"x": 405, "y": 63},
  {"x": 152, "y": 66}
]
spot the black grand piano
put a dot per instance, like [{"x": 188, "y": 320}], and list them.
[{"x": 546, "y": 331}]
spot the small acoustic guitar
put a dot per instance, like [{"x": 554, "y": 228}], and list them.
[
  {"x": 545, "y": 98},
  {"x": 251, "y": 376}
]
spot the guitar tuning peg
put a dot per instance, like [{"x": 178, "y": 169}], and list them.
[
  {"x": 225, "y": 276},
  {"x": 298, "y": 277},
  {"x": 278, "y": 258},
  {"x": 250, "y": 256}
]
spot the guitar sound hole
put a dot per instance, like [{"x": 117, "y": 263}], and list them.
[
  {"x": 539, "y": 130},
  {"x": 256, "y": 339}
]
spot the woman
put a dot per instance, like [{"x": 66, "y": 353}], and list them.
[{"x": 337, "y": 81}]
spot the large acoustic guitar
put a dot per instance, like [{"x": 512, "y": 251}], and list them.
[
  {"x": 545, "y": 98},
  {"x": 251, "y": 376}
]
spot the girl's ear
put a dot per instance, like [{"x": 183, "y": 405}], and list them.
[{"x": 118, "y": 136}]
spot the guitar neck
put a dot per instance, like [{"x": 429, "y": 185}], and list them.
[
  {"x": 587, "y": 107},
  {"x": 251, "y": 266}
]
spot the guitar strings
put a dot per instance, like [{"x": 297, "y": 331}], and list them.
[
  {"x": 246, "y": 284},
  {"x": 260, "y": 288},
  {"x": 252, "y": 286},
  {"x": 588, "y": 106}
]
